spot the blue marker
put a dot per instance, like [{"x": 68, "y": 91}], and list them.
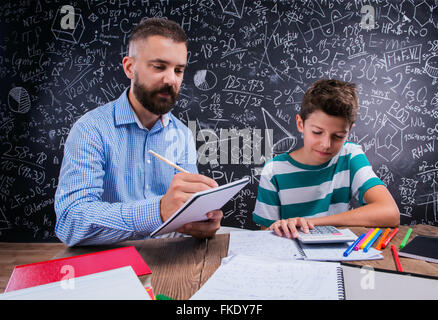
[
  {"x": 368, "y": 246},
  {"x": 350, "y": 248}
]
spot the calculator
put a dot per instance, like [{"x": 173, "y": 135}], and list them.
[{"x": 324, "y": 234}]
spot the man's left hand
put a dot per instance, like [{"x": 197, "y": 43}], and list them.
[{"x": 204, "y": 229}]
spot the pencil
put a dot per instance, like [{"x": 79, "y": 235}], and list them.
[{"x": 168, "y": 162}]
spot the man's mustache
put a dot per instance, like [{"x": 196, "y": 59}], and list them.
[{"x": 167, "y": 90}]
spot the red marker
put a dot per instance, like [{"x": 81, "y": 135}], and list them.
[
  {"x": 385, "y": 243},
  {"x": 396, "y": 259}
]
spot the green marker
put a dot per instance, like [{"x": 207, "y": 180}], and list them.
[{"x": 405, "y": 239}]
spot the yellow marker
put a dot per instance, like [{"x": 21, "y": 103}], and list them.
[{"x": 369, "y": 238}]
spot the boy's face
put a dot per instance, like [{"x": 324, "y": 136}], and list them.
[{"x": 323, "y": 136}]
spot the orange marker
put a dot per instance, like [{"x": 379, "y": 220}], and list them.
[
  {"x": 385, "y": 243},
  {"x": 379, "y": 245}
]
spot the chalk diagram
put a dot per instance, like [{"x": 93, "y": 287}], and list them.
[
  {"x": 389, "y": 139},
  {"x": 287, "y": 141},
  {"x": 431, "y": 203},
  {"x": 19, "y": 100},
  {"x": 230, "y": 7},
  {"x": 205, "y": 80},
  {"x": 4, "y": 223},
  {"x": 431, "y": 68}
]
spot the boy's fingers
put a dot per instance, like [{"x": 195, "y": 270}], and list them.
[
  {"x": 292, "y": 227},
  {"x": 284, "y": 226},
  {"x": 304, "y": 225}
]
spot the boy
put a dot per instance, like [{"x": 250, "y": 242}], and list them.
[{"x": 318, "y": 180}]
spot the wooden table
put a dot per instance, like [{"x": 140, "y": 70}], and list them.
[{"x": 180, "y": 266}]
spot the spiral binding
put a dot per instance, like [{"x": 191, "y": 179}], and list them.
[
  {"x": 301, "y": 251},
  {"x": 340, "y": 283}
]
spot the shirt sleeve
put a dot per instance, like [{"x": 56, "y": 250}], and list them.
[
  {"x": 82, "y": 217},
  {"x": 267, "y": 207},
  {"x": 362, "y": 175}
]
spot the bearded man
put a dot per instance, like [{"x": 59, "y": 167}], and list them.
[{"x": 110, "y": 188}]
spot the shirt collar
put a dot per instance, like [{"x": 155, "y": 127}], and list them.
[{"x": 124, "y": 113}]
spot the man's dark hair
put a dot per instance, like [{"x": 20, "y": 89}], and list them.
[
  {"x": 334, "y": 97},
  {"x": 158, "y": 27}
]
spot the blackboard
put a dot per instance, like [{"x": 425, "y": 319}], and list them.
[{"x": 249, "y": 63}]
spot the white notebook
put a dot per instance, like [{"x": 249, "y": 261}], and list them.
[
  {"x": 243, "y": 277},
  {"x": 197, "y": 207},
  {"x": 116, "y": 284}
]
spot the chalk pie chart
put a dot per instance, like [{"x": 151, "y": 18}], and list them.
[
  {"x": 205, "y": 80},
  {"x": 19, "y": 100}
]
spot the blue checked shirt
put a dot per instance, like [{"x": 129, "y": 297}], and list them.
[{"x": 109, "y": 186}]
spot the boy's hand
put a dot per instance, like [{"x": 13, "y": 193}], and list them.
[{"x": 288, "y": 227}]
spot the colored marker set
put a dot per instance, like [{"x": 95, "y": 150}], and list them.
[{"x": 366, "y": 240}]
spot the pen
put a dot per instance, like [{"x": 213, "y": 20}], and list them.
[
  {"x": 363, "y": 239},
  {"x": 405, "y": 239},
  {"x": 376, "y": 236},
  {"x": 396, "y": 259},
  {"x": 385, "y": 234},
  {"x": 369, "y": 238},
  {"x": 167, "y": 161},
  {"x": 350, "y": 248},
  {"x": 385, "y": 243}
]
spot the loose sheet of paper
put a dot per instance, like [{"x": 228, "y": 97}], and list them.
[
  {"x": 250, "y": 277},
  {"x": 263, "y": 243}
]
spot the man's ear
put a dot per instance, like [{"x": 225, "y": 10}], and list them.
[{"x": 128, "y": 66}]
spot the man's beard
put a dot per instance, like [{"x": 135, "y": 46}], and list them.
[{"x": 150, "y": 100}]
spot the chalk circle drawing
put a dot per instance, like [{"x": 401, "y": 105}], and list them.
[
  {"x": 19, "y": 100},
  {"x": 205, "y": 80},
  {"x": 431, "y": 68}
]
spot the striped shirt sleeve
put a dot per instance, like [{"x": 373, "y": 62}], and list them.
[
  {"x": 267, "y": 207},
  {"x": 362, "y": 175}
]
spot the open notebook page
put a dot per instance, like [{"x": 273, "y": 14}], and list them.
[{"x": 250, "y": 277}]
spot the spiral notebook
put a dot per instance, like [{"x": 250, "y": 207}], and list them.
[
  {"x": 243, "y": 277},
  {"x": 199, "y": 204}
]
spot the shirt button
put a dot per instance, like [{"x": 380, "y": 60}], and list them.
[
  {"x": 148, "y": 161},
  {"x": 147, "y": 186}
]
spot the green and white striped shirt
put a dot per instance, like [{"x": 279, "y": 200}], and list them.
[{"x": 290, "y": 189}]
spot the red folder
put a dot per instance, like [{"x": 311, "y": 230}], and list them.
[{"x": 35, "y": 274}]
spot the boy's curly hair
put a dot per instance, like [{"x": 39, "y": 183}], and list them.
[{"x": 334, "y": 97}]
